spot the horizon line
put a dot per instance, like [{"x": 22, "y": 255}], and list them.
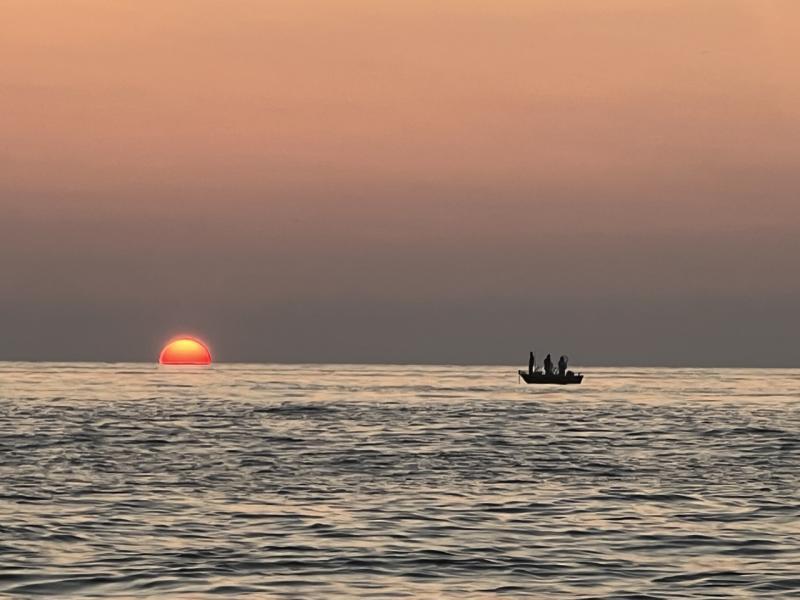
[{"x": 401, "y": 364}]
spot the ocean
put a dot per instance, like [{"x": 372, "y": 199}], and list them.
[{"x": 356, "y": 481}]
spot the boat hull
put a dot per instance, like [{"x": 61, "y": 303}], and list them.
[{"x": 569, "y": 378}]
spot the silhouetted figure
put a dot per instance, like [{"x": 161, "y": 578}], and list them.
[
  {"x": 548, "y": 365},
  {"x": 562, "y": 366},
  {"x": 531, "y": 364}
]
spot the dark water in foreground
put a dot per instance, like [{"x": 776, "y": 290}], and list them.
[{"x": 309, "y": 482}]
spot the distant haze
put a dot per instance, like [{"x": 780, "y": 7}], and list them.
[{"x": 457, "y": 181}]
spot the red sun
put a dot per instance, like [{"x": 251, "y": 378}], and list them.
[{"x": 185, "y": 351}]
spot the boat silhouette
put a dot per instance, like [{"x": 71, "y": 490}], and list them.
[{"x": 540, "y": 377}]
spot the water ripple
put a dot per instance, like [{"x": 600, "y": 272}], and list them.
[{"x": 132, "y": 481}]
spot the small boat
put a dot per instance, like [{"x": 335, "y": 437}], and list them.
[{"x": 540, "y": 377}]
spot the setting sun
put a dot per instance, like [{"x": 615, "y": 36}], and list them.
[{"x": 185, "y": 351}]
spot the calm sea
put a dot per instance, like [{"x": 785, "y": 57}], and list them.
[{"x": 309, "y": 481}]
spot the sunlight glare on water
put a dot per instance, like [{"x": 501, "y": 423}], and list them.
[{"x": 137, "y": 481}]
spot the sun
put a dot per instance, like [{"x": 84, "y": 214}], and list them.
[{"x": 185, "y": 350}]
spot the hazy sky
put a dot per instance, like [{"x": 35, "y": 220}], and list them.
[{"x": 454, "y": 181}]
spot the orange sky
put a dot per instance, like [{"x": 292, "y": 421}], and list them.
[{"x": 275, "y": 153}]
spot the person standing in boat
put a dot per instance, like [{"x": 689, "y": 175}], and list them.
[
  {"x": 531, "y": 364},
  {"x": 548, "y": 365},
  {"x": 562, "y": 366}
]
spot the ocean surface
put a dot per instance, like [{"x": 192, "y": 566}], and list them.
[{"x": 308, "y": 481}]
